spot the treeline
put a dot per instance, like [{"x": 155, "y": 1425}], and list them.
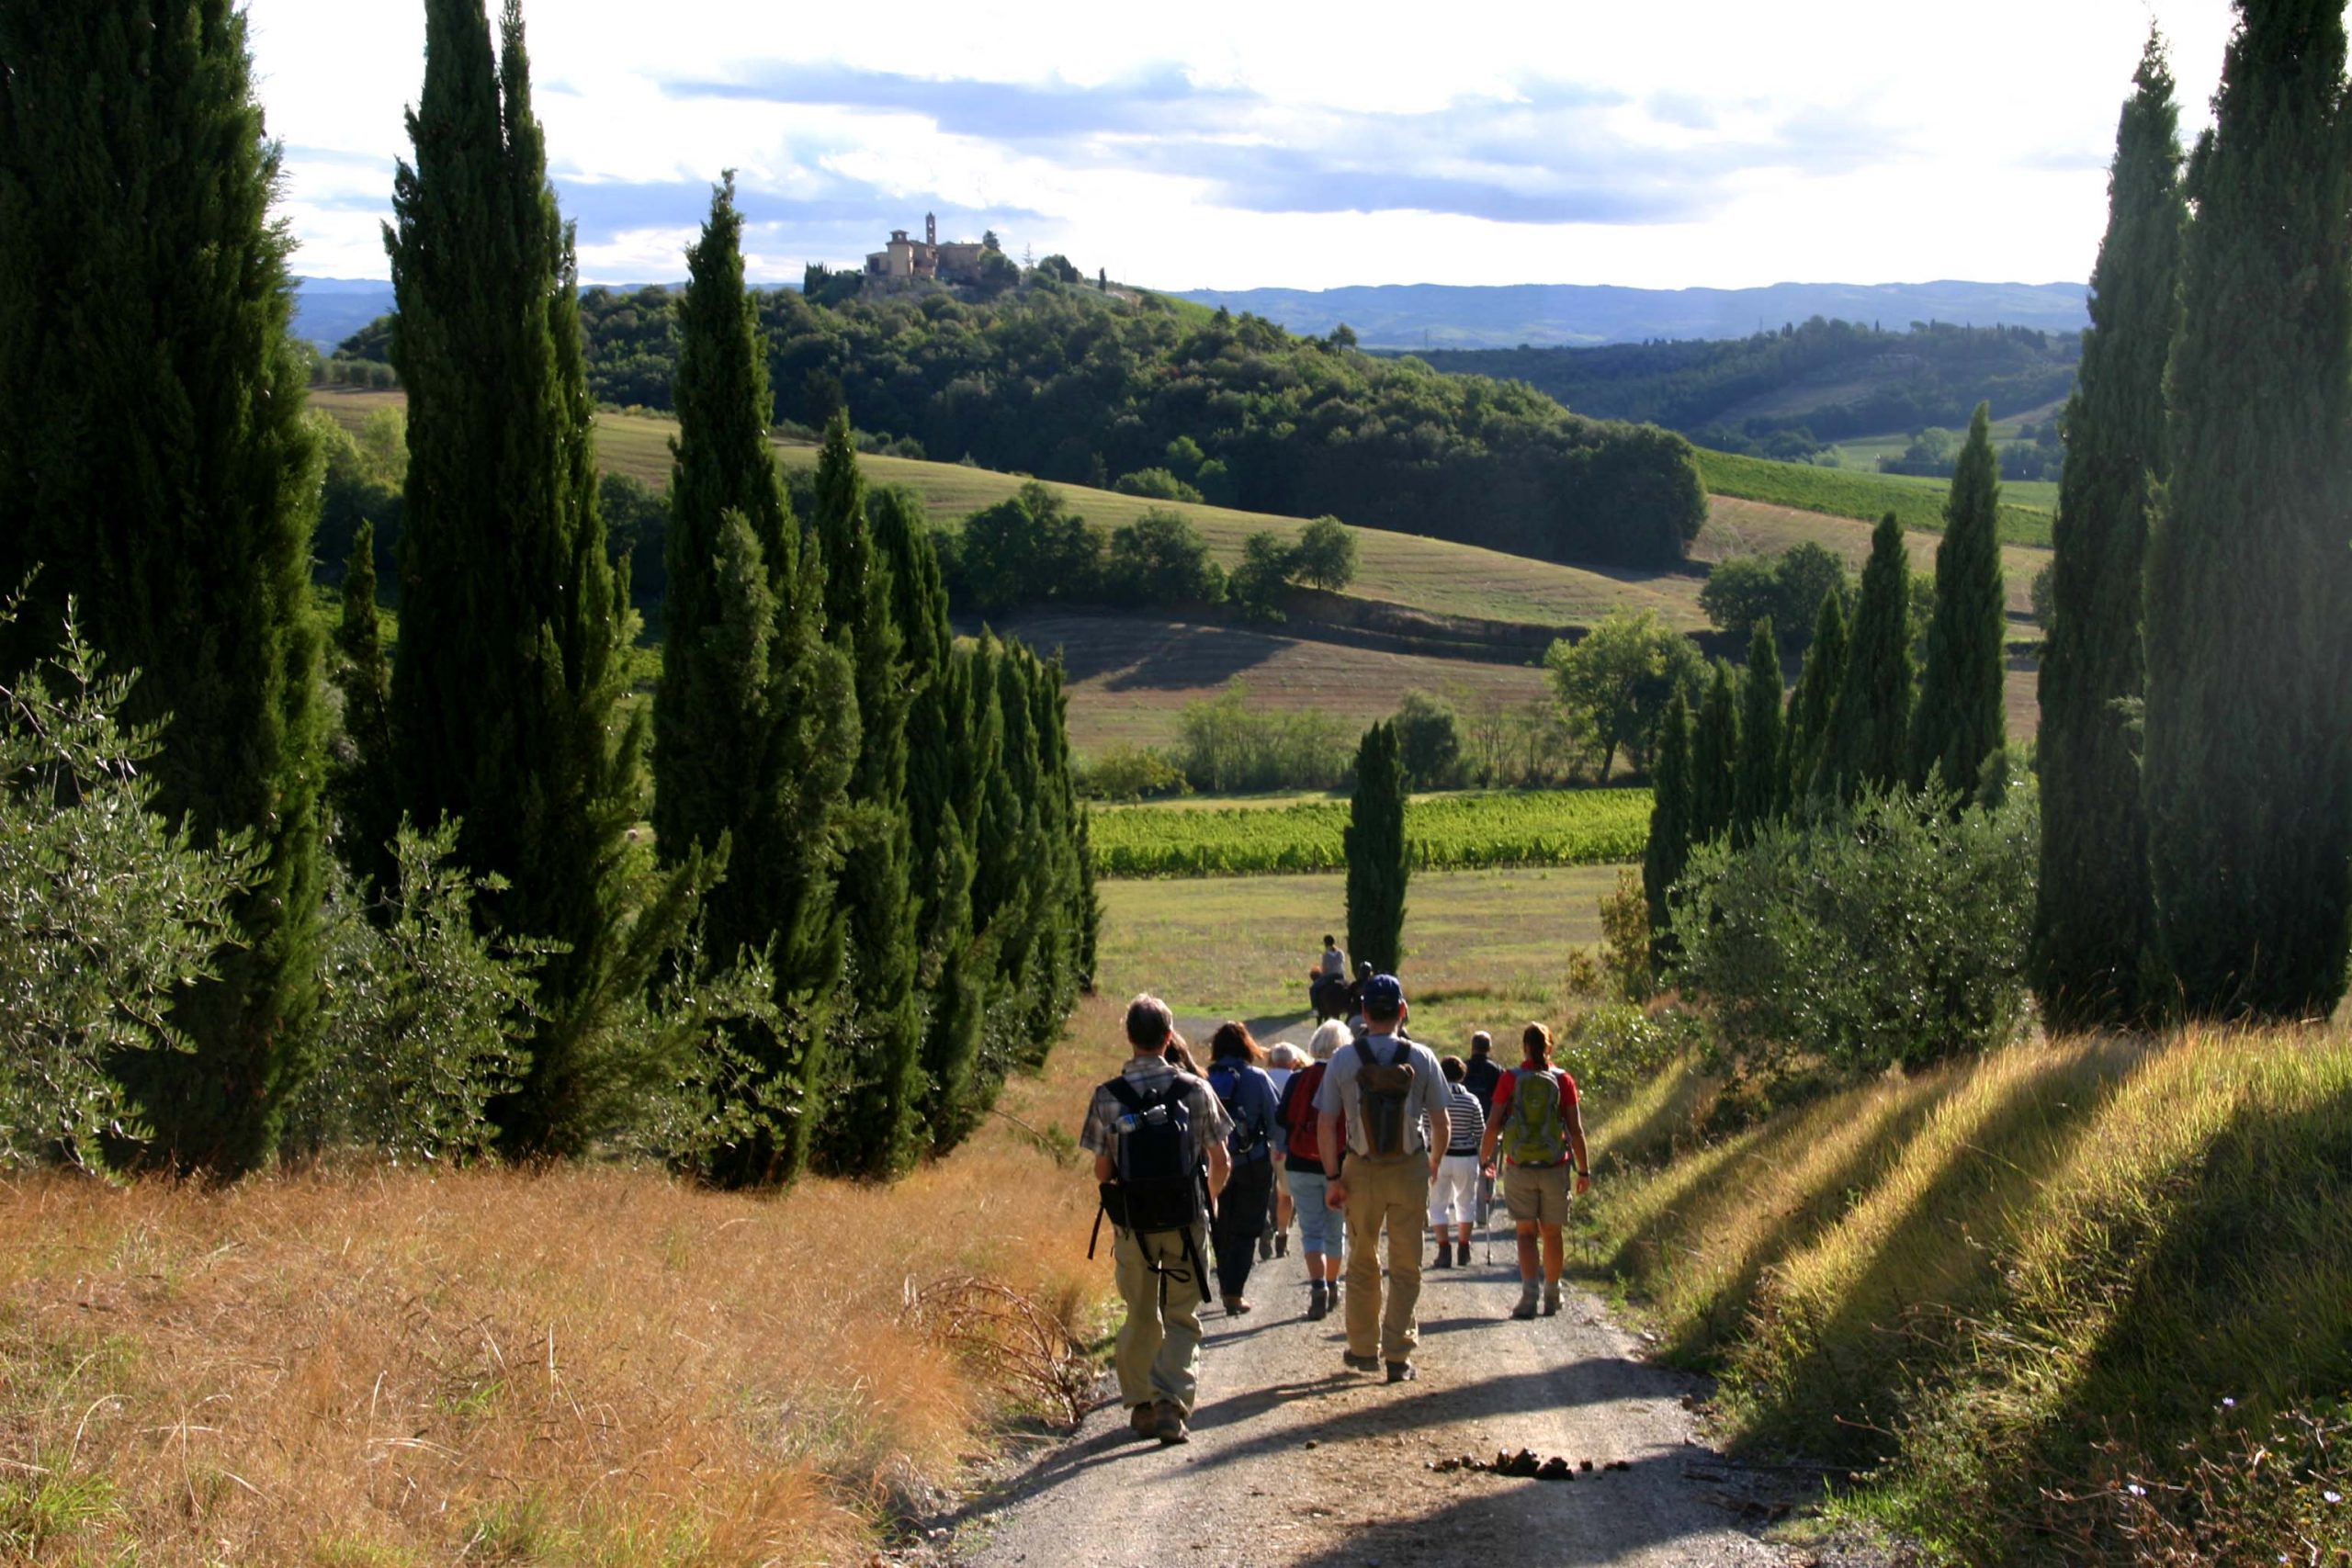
[
  {"x": 1068, "y": 385},
  {"x": 1871, "y": 380},
  {"x": 272, "y": 892}
]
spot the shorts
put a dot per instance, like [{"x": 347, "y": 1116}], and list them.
[
  {"x": 1320, "y": 1228},
  {"x": 1537, "y": 1194},
  {"x": 1453, "y": 1197}
]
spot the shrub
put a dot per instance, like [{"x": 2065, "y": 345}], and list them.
[
  {"x": 1156, "y": 484},
  {"x": 1431, "y": 740},
  {"x": 426, "y": 1020},
  {"x": 1618, "y": 1047},
  {"x": 1227, "y": 744},
  {"x": 1893, "y": 933},
  {"x": 1327, "y": 554},
  {"x": 106, "y": 909},
  {"x": 1626, "y": 938},
  {"x": 1131, "y": 772},
  {"x": 1160, "y": 558}
]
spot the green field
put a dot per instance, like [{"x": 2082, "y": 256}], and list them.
[
  {"x": 1918, "y": 503},
  {"x": 1482, "y": 949},
  {"x": 1457, "y": 831}
]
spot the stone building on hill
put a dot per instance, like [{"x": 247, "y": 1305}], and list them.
[{"x": 904, "y": 259}]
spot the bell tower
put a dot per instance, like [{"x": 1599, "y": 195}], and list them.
[{"x": 929, "y": 228}]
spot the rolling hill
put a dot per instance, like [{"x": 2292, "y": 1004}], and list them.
[
  {"x": 1453, "y": 619},
  {"x": 1427, "y": 315}
]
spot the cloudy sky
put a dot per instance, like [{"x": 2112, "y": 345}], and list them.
[{"x": 1228, "y": 144}]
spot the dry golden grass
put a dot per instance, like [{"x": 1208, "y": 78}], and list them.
[{"x": 379, "y": 1367}]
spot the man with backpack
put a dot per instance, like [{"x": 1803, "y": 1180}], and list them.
[
  {"x": 1384, "y": 1086},
  {"x": 1157, "y": 1136},
  {"x": 1537, "y": 1125}
]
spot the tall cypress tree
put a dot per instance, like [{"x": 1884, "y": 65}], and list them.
[
  {"x": 1379, "y": 861},
  {"x": 1669, "y": 850},
  {"x": 1714, "y": 756},
  {"x": 2095, "y": 929},
  {"x": 362, "y": 785},
  {"x": 1758, "y": 791},
  {"x": 1816, "y": 696},
  {"x": 156, "y": 468},
  {"x": 1959, "y": 720},
  {"x": 873, "y": 888},
  {"x": 507, "y": 696},
  {"x": 1869, "y": 726},
  {"x": 755, "y": 723},
  {"x": 2249, "y": 827}
]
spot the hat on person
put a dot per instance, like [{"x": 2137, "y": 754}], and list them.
[
  {"x": 1385, "y": 995},
  {"x": 1363, "y": 968}
]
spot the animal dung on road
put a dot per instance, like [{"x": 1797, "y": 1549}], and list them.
[{"x": 1525, "y": 1466}]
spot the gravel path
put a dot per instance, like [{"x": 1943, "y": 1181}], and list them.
[{"x": 1299, "y": 1463}]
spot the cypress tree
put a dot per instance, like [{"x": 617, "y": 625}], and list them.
[
  {"x": 1870, "y": 724},
  {"x": 2249, "y": 828},
  {"x": 508, "y": 695},
  {"x": 874, "y": 890},
  {"x": 1060, "y": 919},
  {"x": 1959, "y": 720},
  {"x": 2095, "y": 927},
  {"x": 362, "y": 784},
  {"x": 1669, "y": 850},
  {"x": 755, "y": 723},
  {"x": 1816, "y": 696},
  {"x": 1379, "y": 861},
  {"x": 155, "y": 467},
  {"x": 1758, "y": 791},
  {"x": 1714, "y": 758}
]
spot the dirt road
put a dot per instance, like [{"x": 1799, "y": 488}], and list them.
[{"x": 1295, "y": 1463}]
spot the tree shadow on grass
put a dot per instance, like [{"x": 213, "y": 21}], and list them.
[
  {"x": 1128, "y": 653},
  {"x": 1828, "y": 1196},
  {"x": 1891, "y": 1331}
]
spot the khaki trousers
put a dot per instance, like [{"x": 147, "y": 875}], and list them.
[
  {"x": 1159, "y": 1345},
  {"x": 1394, "y": 1193}
]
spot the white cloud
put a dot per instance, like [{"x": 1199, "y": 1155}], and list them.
[{"x": 1730, "y": 143}]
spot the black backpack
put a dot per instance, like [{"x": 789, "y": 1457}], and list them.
[{"x": 1160, "y": 1181}]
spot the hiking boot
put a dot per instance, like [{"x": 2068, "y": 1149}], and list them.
[
  {"x": 1168, "y": 1427},
  {"x": 1401, "y": 1371},
  {"x": 1444, "y": 1254},
  {"x": 1551, "y": 1301},
  {"x": 1526, "y": 1307},
  {"x": 1319, "y": 1303},
  {"x": 1145, "y": 1420},
  {"x": 1356, "y": 1363},
  {"x": 1265, "y": 1247}
]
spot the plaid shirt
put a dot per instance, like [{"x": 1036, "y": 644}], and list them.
[{"x": 1211, "y": 1125}]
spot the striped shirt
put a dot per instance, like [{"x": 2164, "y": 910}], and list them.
[{"x": 1465, "y": 1123}]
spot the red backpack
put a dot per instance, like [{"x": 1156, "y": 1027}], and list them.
[{"x": 1301, "y": 1128}]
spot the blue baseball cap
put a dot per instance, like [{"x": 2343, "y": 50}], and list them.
[{"x": 1384, "y": 993}]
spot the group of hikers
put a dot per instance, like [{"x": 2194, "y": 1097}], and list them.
[{"x": 1364, "y": 1133}]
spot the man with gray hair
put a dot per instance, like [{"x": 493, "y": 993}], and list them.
[{"x": 1157, "y": 1136}]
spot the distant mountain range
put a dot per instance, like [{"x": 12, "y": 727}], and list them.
[
  {"x": 1433, "y": 315},
  {"x": 1437, "y": 315}
]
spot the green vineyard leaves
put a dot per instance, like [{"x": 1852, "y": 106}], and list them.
[{"x": 1583, "y": 826}]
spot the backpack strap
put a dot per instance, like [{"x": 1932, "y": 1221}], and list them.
[{"x": 1126, "y": 1094}]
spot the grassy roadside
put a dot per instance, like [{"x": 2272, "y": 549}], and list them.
[
  {"x": 2006, "y": 1293},
  {"x": 378, "y": 1368}
]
